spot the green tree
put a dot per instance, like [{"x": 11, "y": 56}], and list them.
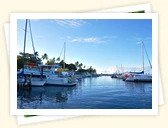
[
  {"x": 27, "y": 58},
  {"x": 58, "y": 59},
  {"x": 77, "y": 64},
  {"x": 20, "y": 61},
  {"x": 71, "y": 67},
  {"x": 36, "y": 54},
  {"x": 80, "y": 66},
  {"x": 81, "y": 70},
  {"x": 37, "y": 59},
  {"x": 45, "y": 56},
  {"x": 51, "y": 61},
  {"x": 62, "y": 63},
  {"x": 91, "y": 70}
]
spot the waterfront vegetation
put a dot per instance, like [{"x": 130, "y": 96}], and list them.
[{"x": 28, "y": 58}]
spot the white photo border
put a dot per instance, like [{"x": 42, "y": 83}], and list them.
[
  {"x": 13, "y": 66},
  {"x": 125, "y": 9}
]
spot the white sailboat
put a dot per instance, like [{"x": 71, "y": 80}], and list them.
[
  {"x": 33, "y": 76},
  {"x": 133, "y": 77},
  {"x": 37, "y": 80},
  {"x": 65, "y": 80},
  {"x": 40, "y": 77},
  {"x": 139, "y": 78},
  {"x": 54, "y": 79},
  {"x": 46, "y": 75}
]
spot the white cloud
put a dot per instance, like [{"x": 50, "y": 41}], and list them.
[
  {"x": 92, "y": 39},
  {"x": 70, "y": 22},
  {"x": 110, "y": 37},
  {"x": 87, "y": 40}
]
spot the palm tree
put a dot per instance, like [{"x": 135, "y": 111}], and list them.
[
  {"x": 45, "y": 56},
  {"x": 21, "y": 53},
  {"x": 80, "y": 66},
  {"x": 77, "y": 64},
  {"x": 36, "y": 54},
  {"x": 36, "y": 57},
  {"x": 51, "y": 61},
  {"x": 90, "y": 69},
  {"x": 58, "y": 59}
]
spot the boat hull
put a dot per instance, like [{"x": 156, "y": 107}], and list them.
[
  {"x": 61, "y": 85},
  {"x": 139, "y": 78},
  {"x": 143, "y": 80},
  {"x": 37, "y": 82},
  {"x": 56, "y": 81}
]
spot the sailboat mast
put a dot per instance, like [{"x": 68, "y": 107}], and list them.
[
  {"x": 142, "y": 57},
  {"x": 25, "y": 38},
  {"x": 64, "y": 55},
  {"x": 31, "y": 35},
  {"x": 24, "y": 45}
]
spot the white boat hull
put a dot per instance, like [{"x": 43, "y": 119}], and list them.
[
  {"x": 57, "y": 81},
  {"x": 38, "y": 82},
  {"x": 139, "y": 78}
]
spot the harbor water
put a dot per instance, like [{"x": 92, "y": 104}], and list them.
[{"x": 90, "y": 93}]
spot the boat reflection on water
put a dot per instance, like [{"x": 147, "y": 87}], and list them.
[
  {"x": 140, "y": 91},
  {"x": 140, "y": 87},
  {"x": 91, "y": 93},
  {"x": 44, "y": 96},
  {"x": 59, "y": 94},
  {"x": 27, "y": 96}
]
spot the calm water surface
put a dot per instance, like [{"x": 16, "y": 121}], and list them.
[{"x": 97, "y": 93}]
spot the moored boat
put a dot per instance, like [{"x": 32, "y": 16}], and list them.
[
  {"x": 37, "y": 81},
  {"x": 55, "y": 80},
  {"x": 139, "y": 78}
]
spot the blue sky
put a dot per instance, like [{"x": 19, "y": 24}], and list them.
[{"x": 102, "y": 44}]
